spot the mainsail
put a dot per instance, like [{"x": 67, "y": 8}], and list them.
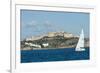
[{"x": 80, "y": 45}]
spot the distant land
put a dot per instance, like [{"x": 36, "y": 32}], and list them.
[{"x": 52, "y": 40}]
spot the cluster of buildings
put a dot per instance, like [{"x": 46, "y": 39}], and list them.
[
  {"x": 51, "y": 34},
  {"x": 62, "y": 33}
]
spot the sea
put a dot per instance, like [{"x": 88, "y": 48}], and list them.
[{"x": 49, "y": 55}]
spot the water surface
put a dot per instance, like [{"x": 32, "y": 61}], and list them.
[{"x": 47, "y": 55}]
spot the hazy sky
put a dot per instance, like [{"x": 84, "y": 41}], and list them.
[{"x": 40, "y": 22}]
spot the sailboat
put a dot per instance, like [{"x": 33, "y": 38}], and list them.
[{"x": 80, "y": 45}]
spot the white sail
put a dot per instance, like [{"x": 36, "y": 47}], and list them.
[{"x": 80, "y": 45}]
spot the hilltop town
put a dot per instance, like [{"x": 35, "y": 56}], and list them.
[{"x": 52, "y": 40}]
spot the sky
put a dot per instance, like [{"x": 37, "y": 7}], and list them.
[{"x": 34, "y": 23}]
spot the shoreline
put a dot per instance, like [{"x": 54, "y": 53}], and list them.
[{"x": 50, "y": 48}]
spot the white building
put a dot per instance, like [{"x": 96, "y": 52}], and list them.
[
  {"x": 52, "y": 34},
  {"x": 33, "y": 45},
  {"x": 68, "y": 35},
  {"x": 45, "y": 44}
]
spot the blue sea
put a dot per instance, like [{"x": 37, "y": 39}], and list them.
[{"x": 64, "y": 54}]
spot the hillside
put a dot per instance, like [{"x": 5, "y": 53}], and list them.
[{"x": 52, "y": 41}]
